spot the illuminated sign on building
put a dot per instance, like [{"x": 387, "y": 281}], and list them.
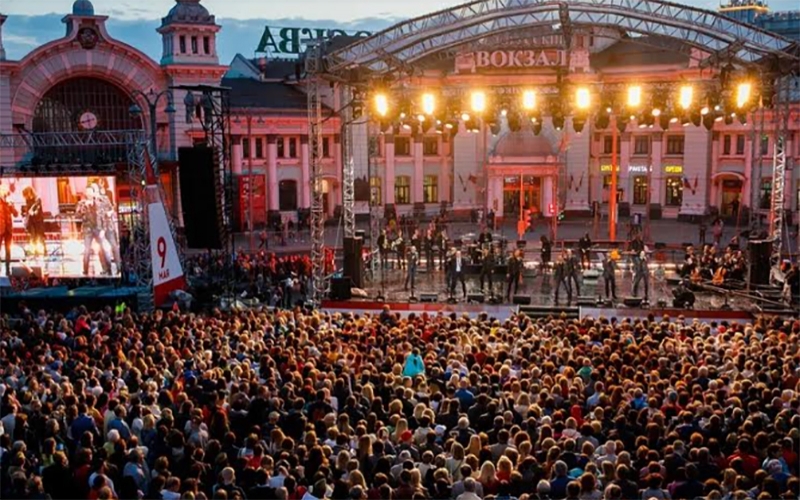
[
  {"x": 510, "y": 59},
  {"x": 673, "y": 169},
  {"x": 634, "y": 169},
  {"x": 293, "y": 41}
]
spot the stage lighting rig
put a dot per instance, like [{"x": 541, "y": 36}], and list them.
[
  {"x": 529, "y": 100},
  {"x": 514, "y": 121},
  {"x": 478, "y": 101},
  {"x": 686, "y": 97},
  {"x": 634, "y": 97}
]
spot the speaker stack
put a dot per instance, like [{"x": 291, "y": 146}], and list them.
[
  {"x": 200, "y": 203},
  {"x": 759, "y": 261},
  {"x": 353, "y": 263}
]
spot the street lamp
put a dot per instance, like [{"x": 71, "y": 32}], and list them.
[{"x": 152, "y": 99}]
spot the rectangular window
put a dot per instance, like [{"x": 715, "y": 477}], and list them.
[
  {"x": 326, "y": 147},
  {"x": 194, "y": 45},
  {"x": 674, "y": 191},
  {"x": 402, "y": 146},
  {"x": 182, "y": 41},
  {"x": 726, "y": 145},
  {"x": 206, "y": 45},
  {"x": 675, "y": 145},
  {"x": 281, "y": 147},
  {"x": 292, "y": 147},
  {"x": 430, "y": 146},
  {"x": 402, "y": 190},
  {"x": 641, "y": 145},
  {"x": 764, "y": 145},
  {"x": 259, "y": 143},
  {"x": 640, "y": 190},
  {"x": 375, "y": 191},
  {"x": 245, "y": 147},
  {"x": 740, "y": 144},
  {"x": 607, "y": 144},
  {"x": 765, "y": 193},
  {"x": 430, "y": 189}
]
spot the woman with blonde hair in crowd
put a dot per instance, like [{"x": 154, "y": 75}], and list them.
[{"x": 488, "y": 478}]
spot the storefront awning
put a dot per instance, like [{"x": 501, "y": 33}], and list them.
[{"x": 736, "y": 175}]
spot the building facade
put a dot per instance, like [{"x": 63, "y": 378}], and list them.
[{"x": 680, "y": 170}]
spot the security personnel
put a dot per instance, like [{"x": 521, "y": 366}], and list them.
[{"x": 515, "y": 264}]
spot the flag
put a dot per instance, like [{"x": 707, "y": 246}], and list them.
[
  {"x": 696, "y": 178},
  {"x": 686, "y": 183},
  {"x": 564, "y": 144},
  {"x": 571, "y": 180},
  {"x": 580, "y": 184}
]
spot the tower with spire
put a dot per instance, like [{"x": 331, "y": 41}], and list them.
[{"x": 189, "y": 35}]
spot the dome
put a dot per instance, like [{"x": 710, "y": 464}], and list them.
[
  {"x": 82, "y": 8},
  {"x": 188, "y": 12},
  {"x": 523, "y": 143}
]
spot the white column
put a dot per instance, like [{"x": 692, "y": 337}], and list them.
[
  {"x": 272, "y": 172},
  {"x": 419, "y": 170},
  {"x": 305, "y": 190},
  {"x": 236, "y": 158},
  {"x": 623, "y": 181},
  {"x": 444, "y": 167},
  {"x": 388, "y": 190},
  {"x": 547, "y": 194},
  {"x": 656, "y": 177}
]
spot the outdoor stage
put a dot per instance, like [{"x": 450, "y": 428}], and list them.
[{"x": 539, "y": 287}]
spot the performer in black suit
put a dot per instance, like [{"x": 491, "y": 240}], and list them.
[
  {"x": 560, "y": 273},
  {"x": 383, "y": 248},
  {"x": 573, "y": 269},
  {"x": 412, "y": 260},
  {"x": 34, "y": 219},
  {"x": 546, "y": 252},
  {"x": 515, "y": 263},
  {"x": 429, "y": 244},
  {"x": 487, "y": 269},
  {"x": 585, "y": 246},
  {"x": 441, "y": 241},
  {"x": 457, "y": 269},
  {"x": 609, "y": 276},
  {"x": 641, "y": 273}
]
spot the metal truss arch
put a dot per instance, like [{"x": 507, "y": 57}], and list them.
[{"x": 417, "y": 38}]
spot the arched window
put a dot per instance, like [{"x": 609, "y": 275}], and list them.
[
  {"x": 287, "y": 195},
  {"x": 79, "y": 105}
]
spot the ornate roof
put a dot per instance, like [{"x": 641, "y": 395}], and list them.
[
  {"x": 82, "y": 8},
  {"x": 188, "y": 12}
]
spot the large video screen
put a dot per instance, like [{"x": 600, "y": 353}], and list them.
[{"x": 59, "y": 227}]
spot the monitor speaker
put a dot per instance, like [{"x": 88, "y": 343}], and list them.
[
  {"x": 632, "y": 301},
  {"x": 476, "y": 298},
  {"x": 759, "y": 251},
  {"x": 428, "y": 297},
  {"x": 340, "y": 289},
  {"x": 522, "y": 300},
  {"x": 200, "y": 204},
  {"x": 353, "y": 263}
]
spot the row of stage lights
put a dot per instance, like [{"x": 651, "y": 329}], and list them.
[{"x": 686, "y": 109}]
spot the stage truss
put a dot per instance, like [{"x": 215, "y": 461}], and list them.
[
  {"x": 314, "y": 82},
  {"x": 399, "y": 51},
  {"x": 137, "y": 146}
]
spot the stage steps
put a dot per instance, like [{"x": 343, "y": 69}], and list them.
[{"x": 534, "y": 311}]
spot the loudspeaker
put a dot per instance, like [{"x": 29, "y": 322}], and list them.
[
  {"x": 353, "y": 263},
  {"x": 632, "y": 301},
  {"x": 759, "y": 261},
  {"x": 428, "y": 297},
  {"x": 200, "y": 204},
  {"x": 522, "y": 300},
  {"x": 475, "y": 297},
  {"x": 340, "y": 289}
]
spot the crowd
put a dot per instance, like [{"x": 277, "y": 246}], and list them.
[{"x": 298, "y": 405}]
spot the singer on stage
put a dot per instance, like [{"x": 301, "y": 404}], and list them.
[
  {"x": 7, "y": 212},
  {"x": 34, "y": 220},
  {"x": 514, "y": 273}
]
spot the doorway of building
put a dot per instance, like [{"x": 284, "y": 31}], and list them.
[
  {"x": 531, "y": 194},
  {"x": 731, "y": 191}
]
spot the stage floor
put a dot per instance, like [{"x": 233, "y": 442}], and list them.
[{"x": 540, "y": 288}]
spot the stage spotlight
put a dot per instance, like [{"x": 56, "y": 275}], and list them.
[
  {"x": 697, "y": 118},
  {"x": 528, "y": 100},
  {"x": 465, "y": 117},
  {"x": 634, "y": 96},
  {"x": 621, "y": 126},
  {"x": 743, "y": 91},
  {"x": 384, "y": 125},
  {"x": 729, "y": 118},
  {"x": 381, "y": 104},
  {"x": 578, "y": 123},
  {"x": 705, "y": 110},
  {"x": 602, "y": 121},
  {"x": 558, "y": 121},
  {"x": 686, "y": 97},
  {"x": 420, "y": 118},
  {"x": 708, "y": 121},
  {"x": 504, "y": 112},
  {"x": 742, "y": 118},
  {"x": 537, "y": 127},
  {"x": 428, "y": 104},
  {"x": 582, "y": 98},
  {"x": 514, "y": 122},
  {"x": 494, "y": 127},
  {"x": 478, "y": 101},
  {"x": 664, "y": 121}
]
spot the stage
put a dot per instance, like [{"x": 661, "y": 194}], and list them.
[
  {"x": 538, "y": 288},
  {"x": 62, "y": 298}
]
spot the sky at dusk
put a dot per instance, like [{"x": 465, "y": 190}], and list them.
[{"x": 32, "y": 23}]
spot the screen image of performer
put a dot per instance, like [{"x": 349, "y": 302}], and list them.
[
  {"x": 514, "y": 273},
  {"x": 7, "y": 212},
  {"x": 92, "y": 213},
  {"x": 34, "y": 220},
  {"x": 105, "y": 199}
]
